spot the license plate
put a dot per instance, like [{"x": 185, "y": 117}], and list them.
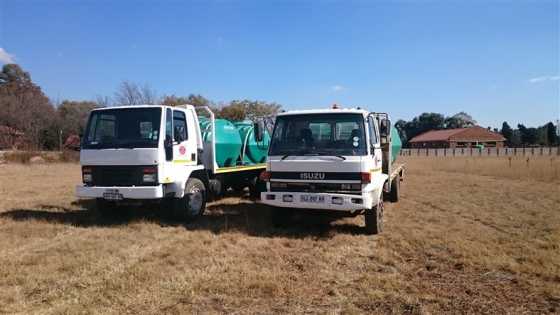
[
  {"x": 312, "y": 199},
  {"x": 112, "y": 194}
]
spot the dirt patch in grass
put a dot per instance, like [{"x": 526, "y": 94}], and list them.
[{"x": 457, "y": 242}]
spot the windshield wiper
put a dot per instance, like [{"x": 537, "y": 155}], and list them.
[{"x": 302, "y": 152}]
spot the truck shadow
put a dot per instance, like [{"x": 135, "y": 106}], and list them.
[{"x": 244, "y": 217}]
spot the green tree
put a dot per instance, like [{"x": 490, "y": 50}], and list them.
[
  {"x": 247, "y": 109},
  {"x": 529, "y": 136},
  {"x": 422, "y": 123},
  {"x": 551, "y": 133},
  {"x": 459, "y": 120},
  {"x": 507, "y": 132},
  {"x": 73, "y": 116},
  {"x": 192, "y": 99}
]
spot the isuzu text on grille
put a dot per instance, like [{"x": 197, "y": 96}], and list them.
[{"x": 312, "y": 176}]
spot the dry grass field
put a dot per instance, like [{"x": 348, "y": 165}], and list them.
[{"x": 469, "y": 236}]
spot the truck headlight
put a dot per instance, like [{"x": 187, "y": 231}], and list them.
[
  {"x": 86, "y": 175},
  {"x": 149, "y": 175}
]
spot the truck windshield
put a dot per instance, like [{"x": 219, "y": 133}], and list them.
[
  {"x": 319, "y": 134},
  {"x": 123, "y": 128}
]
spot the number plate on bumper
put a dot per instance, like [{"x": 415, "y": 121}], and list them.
[
  {"x": 112, "y": 194},
  {"x": 312, "y": 199}
]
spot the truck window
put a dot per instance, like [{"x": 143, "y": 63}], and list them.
[
  {"x": 123, "y": 128},
  {"x": 179, "y": 126},
  {"x": 319, "y": 134},
  {"x": 372, "y": 131},
  {"x": 168, "y": 124}
]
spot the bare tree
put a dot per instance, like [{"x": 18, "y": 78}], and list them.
[
  {"x": 130, "y": 93},
  {"x": 102, "y": 101}
]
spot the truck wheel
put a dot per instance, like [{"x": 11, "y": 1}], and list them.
[
  {"x": 193, "y": 203},
  {"x": 256, "y": 186},
  {"x": 395, "y": 189},
  {"x": 105, "y": 208},
  {"x": 374, "y": 219}
]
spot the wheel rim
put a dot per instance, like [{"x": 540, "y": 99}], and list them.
[{"x": 196, "y": 199}]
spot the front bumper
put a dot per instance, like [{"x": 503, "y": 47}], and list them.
[
  {"x": 338, "y": 202},
  {"x": 137, "y": 192}
]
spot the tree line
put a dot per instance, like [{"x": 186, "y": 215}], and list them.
[
  {"x": 546, "y": 135},
  {"x": 47, "y": 124},
  {"x": 24, "y": 107}
]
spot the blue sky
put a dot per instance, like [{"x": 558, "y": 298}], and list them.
[{"x": 497, "y": 60}]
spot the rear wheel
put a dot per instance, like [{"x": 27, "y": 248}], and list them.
[
  {"x": 193, "y": 203},
  {"x": 374, "y": 219},
  {"x": 256, "y": 186},
  {"x": 395, "y": 189}
]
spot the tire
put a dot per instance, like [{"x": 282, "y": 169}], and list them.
[
  {"x": 394, "y": 195},
  {"x": 256, "y": 186},
  {"x": 106, "y": 208},
  {"x": 192, "y": 205},
  {"x": 374, "y": 219}
]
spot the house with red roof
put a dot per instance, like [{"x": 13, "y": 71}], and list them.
[{"x": 458, "y": 138}]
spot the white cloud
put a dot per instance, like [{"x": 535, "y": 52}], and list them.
[
  {"x": 337, "y": 88},
  {"x": 545, "y": 78},
  {"x": 5, "y": 57}
]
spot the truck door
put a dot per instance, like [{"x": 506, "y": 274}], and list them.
[
  {"x": 180, "y": 147},
  {"x": 374, "y": 150},
  {"x": 184, "y": 145}
]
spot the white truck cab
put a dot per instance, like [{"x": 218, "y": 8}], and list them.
[
  {"x": 155, "y": 152},
  {"x": 332, "y": 159}
]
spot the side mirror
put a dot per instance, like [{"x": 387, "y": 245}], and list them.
[
  {"x": 258, "y": 128},
  {"x": 168, "y": 146},
  {"x": 385, "y": 128}
]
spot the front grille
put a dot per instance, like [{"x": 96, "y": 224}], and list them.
[
  {"x": 118, "y": 176},
  {"x": 336, "y": 188}
]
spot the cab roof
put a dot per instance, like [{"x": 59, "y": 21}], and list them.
[
  {"x": 141, "y": 106},
  {"x": 325, "y": 111}
]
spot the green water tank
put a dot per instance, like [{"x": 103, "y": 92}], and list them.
[
  {"x": 255, "y": 151},
  {"x": 396, "y": 143},
  {"x": 228, "y": 141}
]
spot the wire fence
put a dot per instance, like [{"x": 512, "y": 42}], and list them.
[{"x": 451, "y": 152}]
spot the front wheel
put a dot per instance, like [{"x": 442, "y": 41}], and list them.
[
  {"x": 394, "y": 195},
  {"x": 193, "y": 203},
  {"x": 374, "y": 219}
]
